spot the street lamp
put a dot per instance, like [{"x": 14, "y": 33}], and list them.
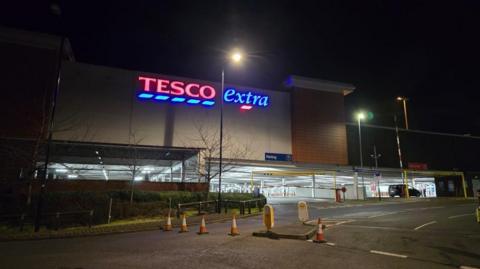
[
  {"x": 361, "y": 116},
  {"x": 375, "y": 156},
  {"x": 404, "y": 101},
  {"x": 235, "y": 57},
  {"x": 55, "y": 9}
]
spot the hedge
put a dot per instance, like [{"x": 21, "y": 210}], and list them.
[{"x": 146, "y": 203}]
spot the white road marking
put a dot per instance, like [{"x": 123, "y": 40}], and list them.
[
  {"x": 432, "y": 207},
  {"x": 467, "y": 267},
  {"x": 375, "y": 227},
  {"x": 383, "y": 214},
  {"x": 388, "y": 254},
  {"x": 423, "y": 225},
  {"x": 343, "y": 222},
  {"x": 327, "y": 243},
  {"x": 462, "y": 215}
]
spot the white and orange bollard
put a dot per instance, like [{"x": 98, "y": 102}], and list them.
[
  {"x": 183, "y": 228},
  {"x": 203, "y": 227},
  {"x": 319, "y": 237},
  {"x": 234, "y": 229},
  {"x": 168, "y": 226}
]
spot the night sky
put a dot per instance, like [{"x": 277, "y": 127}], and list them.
[{"x": 425, "y": 50}]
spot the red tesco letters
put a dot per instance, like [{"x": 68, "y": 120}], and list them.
[{"x": 175, "y": 87}]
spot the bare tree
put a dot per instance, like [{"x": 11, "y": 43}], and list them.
[
  {"x": 133, "y": 165},
  {"x": 209, "y": 140},
  {"x": 27, "y": 151}
]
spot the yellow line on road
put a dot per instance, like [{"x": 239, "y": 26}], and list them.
[{"x": 423, "y": 225}]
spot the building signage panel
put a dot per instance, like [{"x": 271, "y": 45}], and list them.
[
  {"x": 246, "y": 99},
  {"x": 278, "y": 157},
  {"x": 417, "y": 166},
  {"x": 176, "y": 91}
]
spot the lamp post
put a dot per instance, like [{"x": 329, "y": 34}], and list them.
[
  {"x": 404, "y": 101},
  {"x": 235, "y": 57},
  {"x": 375, "y": 156},
  {"x": 361, "y": 116},
  {"x": 55, "y": 9},
  {"x": 400, "y": 155}
]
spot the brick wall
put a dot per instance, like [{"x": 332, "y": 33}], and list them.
[{"x": 318, "y": 127}]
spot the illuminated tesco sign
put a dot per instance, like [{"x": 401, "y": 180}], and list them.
[
  {"x": 177, "y": 91},
  {"x": 246, "y": 99}
]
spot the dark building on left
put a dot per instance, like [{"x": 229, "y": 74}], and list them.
[{"x": 28, "y": 68}]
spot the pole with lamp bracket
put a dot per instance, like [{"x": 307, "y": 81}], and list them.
[
  {"x": 361, "y": 116},
  {"x": 376, "y": 156},
  {"x": 235, "y": 57}
]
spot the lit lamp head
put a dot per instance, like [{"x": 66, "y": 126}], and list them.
[
  {"x": 236, "y": 57},
  {"x": 360, "y": 116},
  {"x": 400, "y": 98}
]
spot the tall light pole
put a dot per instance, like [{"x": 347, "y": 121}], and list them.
[
  {"x": 236, "y": 57},
  {"x": 375, "y": 156},
  {"x": 361, "y": 116},
  {"x": 400, "y": 156},
  {"x": 55, "y": 9},
  {"x": 404, "y": 101}
]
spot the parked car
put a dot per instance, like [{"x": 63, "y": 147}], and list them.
[{"x": 399, "y": 190}]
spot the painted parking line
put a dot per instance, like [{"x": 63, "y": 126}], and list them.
[
  {"x": 467, "y": 267},
  {"x": 462, "y": 215},
  {"x": 432, "y": 207},
  {"x": 388, "y": 254},
  {"x": 383, "y": 214},
  {"x": 423, "y": 225},
  {"x": 423, "y": 208},
  {"x": 343, "y": 222},
  {"x": 375, "y": 227},
  {"x": 326, "y": 243}
]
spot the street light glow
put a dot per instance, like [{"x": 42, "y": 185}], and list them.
[
  {"x": 236, "y": 57},
  {"x": 400, "y": 98},
  {"x": 360, "y": 116}
]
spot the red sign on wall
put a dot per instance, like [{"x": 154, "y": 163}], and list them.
[
  {"x": 417, "y": 166},
  {"x": 176, "y": 91}
]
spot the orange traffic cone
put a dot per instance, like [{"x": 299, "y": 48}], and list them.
[
  {"x": 183, "y": 228},
  {"x": 234, "y": 229},
  {"x": 319, "y": 237},
  {"x": 168, "y": 226},
  {"x": 203, "y": 227}
]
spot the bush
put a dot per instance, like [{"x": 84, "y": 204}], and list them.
[{"x": 145, "y": 203}]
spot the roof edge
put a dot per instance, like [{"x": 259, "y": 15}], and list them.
[
  {"x": 319, "y": 85},
  {"x": 37, "y": 40}
]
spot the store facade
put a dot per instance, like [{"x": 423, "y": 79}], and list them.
[
  {"x": 302, "y": 121},
  {"x": 116, "y": 124}
]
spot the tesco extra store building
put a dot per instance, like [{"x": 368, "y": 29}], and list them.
[{"x": 114, "y": 124}]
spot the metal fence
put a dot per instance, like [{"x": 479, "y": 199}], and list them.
[
  {"x": 226, "y": 205},
  {"x": 53, "y": 220}
]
